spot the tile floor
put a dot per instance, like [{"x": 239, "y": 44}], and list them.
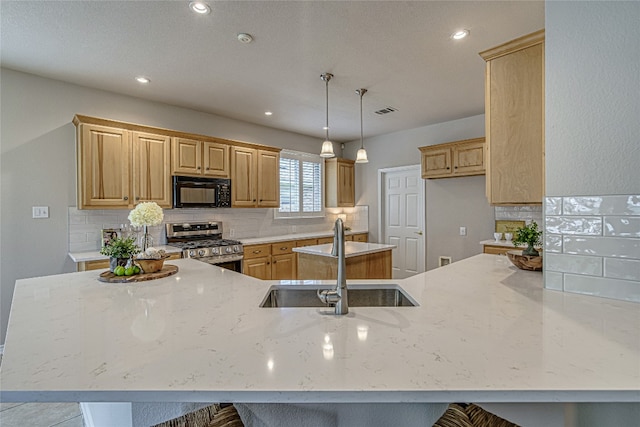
[{"x": 40, "y": 414}]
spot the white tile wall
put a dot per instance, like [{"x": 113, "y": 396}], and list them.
[
  {"x": 592, "y": 245},
  {"x": 527, "y": 213},
  {"x": 85, "y": 225}
]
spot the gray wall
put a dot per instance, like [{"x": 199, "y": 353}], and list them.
[
  {"x": 450, "y": 203},
  {"x": 38, "y": 163},
  {"x": 592, "y": 98}
]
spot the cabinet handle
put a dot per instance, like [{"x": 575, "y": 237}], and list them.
[
  {"x": 126, "y": 197},
  {"x": 284, "y": 248},
  {"x": 256, "y": 252}
]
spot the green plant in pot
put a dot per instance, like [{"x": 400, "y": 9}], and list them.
[
  {"x": 120, "y": 251},
  {"x": 528, "y": 235}
]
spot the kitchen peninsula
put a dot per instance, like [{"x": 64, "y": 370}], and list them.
[
  {"x": 483, "y": 331},
  {"x": 363, "y": 261}
]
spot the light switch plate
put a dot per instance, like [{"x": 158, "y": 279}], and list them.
[
  {"x": 463, "y": 231},
  {"x": 40, "y": 212}
]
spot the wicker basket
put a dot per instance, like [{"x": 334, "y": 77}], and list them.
[
  {"x": 525, "y": 262},
  {"x": 151, "y": 265}
]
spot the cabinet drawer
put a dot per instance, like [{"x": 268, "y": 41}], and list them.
[
  {"x": 364, "y": 237},
  {"x": 256, "y": 251},
  {"x": 306, "y": 242},
  {"x": 282, "y": 248},
  {"x": 496, "y": 250},
  {"x": 323, "y": 240}
]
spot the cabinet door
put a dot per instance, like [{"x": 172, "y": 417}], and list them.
[
  {"x": 258, "y": 267},
  {"x": 243, "y": 177},
  {"x": 436, "y": 162},
  {"x": 283, "y": 267},
  {"x": 268, "y": 179},
  {"x": 515, "y": 98},
  {"x": 468, "y": 159},
  {"x": 151, "y": 174},
  {"x": 103, "y": 167},
  {"x": 216, "y": 159},
  {"x": 346, "y": 187},
  {"x": 186, "y": 157}
]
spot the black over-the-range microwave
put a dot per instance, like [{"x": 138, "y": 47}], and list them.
[{"x": 189, "y": 192}]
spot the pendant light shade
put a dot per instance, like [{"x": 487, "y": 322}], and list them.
[
  {"x": 361, "y": 155},
  {"x": 327, "y": 145}
]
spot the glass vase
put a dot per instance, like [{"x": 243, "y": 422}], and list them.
[{"x": 146, "y": 240}]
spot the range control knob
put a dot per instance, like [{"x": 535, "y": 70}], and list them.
[
  {"x": 228, "y": 249},
  {"x": 201, "y": 252},
  {"x": 192, "y": 253},
  {"x": 236, "y": 248},
  {"x": 215, "y": 251},
  {"x": 186, "y": 225}
]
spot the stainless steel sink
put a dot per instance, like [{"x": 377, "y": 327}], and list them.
[{"x": 359, "y": 296}]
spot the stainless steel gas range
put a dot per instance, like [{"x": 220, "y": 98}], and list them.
[{"x": 203, "y": 241}]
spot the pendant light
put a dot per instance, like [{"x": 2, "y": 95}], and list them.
[
  {"x": 327, "y": 145},
  {"x": 361, "y": 156}
]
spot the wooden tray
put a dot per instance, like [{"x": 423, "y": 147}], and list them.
[{"x": 167, "y": 270}]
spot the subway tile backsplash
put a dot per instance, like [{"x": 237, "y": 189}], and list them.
[
  {"x": 85, "y": 225},
  {"x": 592, "y": 245}
]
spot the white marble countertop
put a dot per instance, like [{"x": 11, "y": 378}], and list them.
[
  {"x": 484, "y": 331},
  {"x": 297, "y": 236},
  {"x": 351, "y": 249},
  {"x": 96, "y": 255}
]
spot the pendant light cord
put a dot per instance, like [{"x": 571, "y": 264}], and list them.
[
  {"x": 326, "y": 81},
  {"x": 361, "y": 92}
]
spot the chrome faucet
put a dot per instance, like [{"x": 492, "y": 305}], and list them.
[{"x": 338, "y": 296}]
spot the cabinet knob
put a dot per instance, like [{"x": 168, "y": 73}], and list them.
[
  {"x": 284, "y": 248},
  {"x": 125, "y": 198},
  {"x": 448, "y": 168},
  {"x": 208, "y": 168},
  {"x": 455, "y": 167},
  {"x": 275, "y": 262},
  {"x": 256, "y": 252},
  {"x": 138, "y": 198},
  {"x": 198, "y": 168},
  {"x": 254, "y": 200}
]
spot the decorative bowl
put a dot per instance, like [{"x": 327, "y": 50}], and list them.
[
  {"x": 525, "y": 262},
  {"x": 151, "y": 265}
]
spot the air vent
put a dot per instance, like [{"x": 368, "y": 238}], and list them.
[{"x": 386, "y": 110}]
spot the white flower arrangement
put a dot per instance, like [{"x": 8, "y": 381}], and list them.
[{"x": 146, "y": 213}]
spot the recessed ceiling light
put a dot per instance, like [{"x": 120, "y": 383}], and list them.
[
  {"x": 268, "y": 113},
  {"x": 142, "y": 79},
  {"x": 460, "y": 34},
  {"x": 200, "y": 7}
]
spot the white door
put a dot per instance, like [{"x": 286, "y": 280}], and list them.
[{"x": 402, "y": 218}]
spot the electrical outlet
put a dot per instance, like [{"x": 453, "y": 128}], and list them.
[
  {"x": 40, "y": 212},
  {"x": 232, "y": 232},
  {"x": 463, "y": 231}
]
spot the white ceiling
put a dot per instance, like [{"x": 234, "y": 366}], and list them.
[{"x": 400, "y": 51}]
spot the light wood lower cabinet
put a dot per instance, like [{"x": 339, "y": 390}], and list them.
[
  {"x": 270, "y": 261},
  {"x": 368, "y": 266}
]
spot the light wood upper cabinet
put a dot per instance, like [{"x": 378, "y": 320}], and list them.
[
  {"x": 151, "y": 168},
  {"x": 255, "y": 178},
  {"x": 104, "y": 161},
  {"x": 199, "y": 158},
  {"x": 118, "y": 168},
  {"x": 514, "y": 114},
  {"x": 453, "y": 159},
  {"x": 339, "y": 183}
]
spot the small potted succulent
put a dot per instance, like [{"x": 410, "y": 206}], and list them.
[
  {"x": 120, "y": 251},
  {"x": 528, "y": 235}
]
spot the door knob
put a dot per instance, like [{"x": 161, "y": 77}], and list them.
[{"x": 418, "y": 233}]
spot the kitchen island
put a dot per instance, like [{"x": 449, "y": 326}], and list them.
[
  {"x": 483, "y": 331},
  {"x": 363, "y": 261}
]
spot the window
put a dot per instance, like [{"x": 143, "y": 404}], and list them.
[{"x": 300, "y": 185}]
